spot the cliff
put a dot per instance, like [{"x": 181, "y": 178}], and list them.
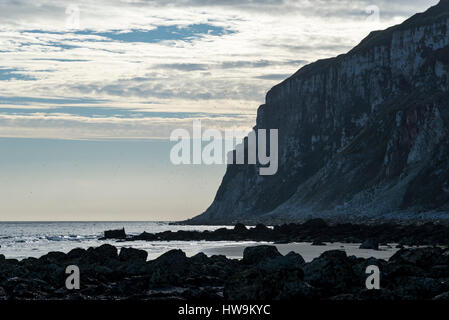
[{"x": 361, "y": 136}]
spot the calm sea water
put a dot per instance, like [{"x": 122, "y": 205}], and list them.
[{"x": 33, "y": 239}]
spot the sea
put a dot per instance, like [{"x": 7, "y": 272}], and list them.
[{"x": 19, "y": 240}]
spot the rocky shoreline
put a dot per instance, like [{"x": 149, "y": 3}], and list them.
[
  {"x": 262, "y": 274},
  {"x": 315, "y": 231}
]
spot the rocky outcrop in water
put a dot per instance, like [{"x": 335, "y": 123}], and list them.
[
  {"x": 316, "y": 231},
  {"x": 361, "y": 136},
  {"x": 262, "y": 274}
]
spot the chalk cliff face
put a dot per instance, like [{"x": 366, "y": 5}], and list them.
[{"x": 361, "y": 136}]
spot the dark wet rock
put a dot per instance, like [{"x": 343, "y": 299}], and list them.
[
  {"x": 392, "y": 271},
  {"x": 115, "y": 234},
  {"x": 169, "y": 267},
  {"x": 199, "y": 258},
  {"x": 261, "y": 284},
  {"x": 102, "y": 253},
  {"x": 315, "y": 224},
  {"x": 439, "y": 271},
  {"x": 318, "y": 243},
  {"x": 373, "y": 295},
  {"x": 443, "y": 297},
  {"x": 291, "y": 261},
  {"x": 414, "y": 274},
  {"x": 444, "y": 258},
  {"x": 145, "y": 236},
  {"x": 332, "y": 270},
  {"x": 316, "y": 231},
  {"x": 372, "y": 244},
  {"x": 53, "y": 257},
  {"x": 344, "y": 297},
  {"x": 252, "y": 255},
  {"x": 76, "y": 254},
  {"x": 133, "y": 255},
  {"x": 240, "y": 228},
  {"x": 421, "y": 257},
  {"x": 417, "y": 288}
]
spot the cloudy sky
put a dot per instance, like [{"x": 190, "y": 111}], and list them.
[{"x": 90, "y": 91}]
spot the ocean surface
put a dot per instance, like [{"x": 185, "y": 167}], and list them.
[{"x": 20, "y": 240}]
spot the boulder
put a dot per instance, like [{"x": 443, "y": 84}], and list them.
[
  {"x": 421, "y": 257},
  {"x": 199, "y": 258},
  {"x": 372, "y": 244},
  {"x": 76, "y": 253},
  {"x": 240, "y": 228},
  {"x": 115, "y": 234},
  {"x": 317, "y": 223},
  {"x": 259, "y": 284},
  {"x": 252, "y": 255},
  {"x": 417, "y": 288},
  {"x": 332, "y": 270},
  {"x": 102, "y": 254},
  {"x": 291, "y": 261},
  {"x": 169, "y": 268},
  {"x": 133, "y": 255},
  {"x": 54, "y": 257},
  {"x": 443, "y": 297}
]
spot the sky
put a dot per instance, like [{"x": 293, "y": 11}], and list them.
[{"x": 91, "y": 90}]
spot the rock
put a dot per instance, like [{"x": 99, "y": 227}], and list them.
[
  {"x": 169, "y": 267},
  {"x": 54, "y": 257},
  {"x": 417, "y": 288},
  {"x": 392, "y": 271},
  {"x": 115, "y": 234},
  {"x": 444, "y": 258},
  {"x": 101, "y": 255},
  {"x": 443, "y": 297},
  {"x": 421, "y": 257},
  {"x": 376, "y": 295},
  {"x": 260, "y": 284},
  {"x": 331, "y": 271},
  {"x": 199, "y": 258},
  {"x": 145, "y": 236},
  {"x": 292, "y": 261},
  {"x": 318, "y": 243},
  {"x": 370, "y": 244},
  {"x": 315, "y": 224},
  {"x": 252, "y": 255},
  {"x": 76, "y": 253},
  {"x": 240, "y": 228},
  {"x": 439, "y": 271},
  {"x": 133, "y": 255},
  {"x": 344, "y": 297}
]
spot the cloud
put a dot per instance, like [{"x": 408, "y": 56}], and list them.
[
  {"x": 170, "y": 60},
  {"x": 13, "y": 74},
  {"x": 273, "y": 76}
]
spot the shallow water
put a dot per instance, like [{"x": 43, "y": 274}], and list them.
[{"x": 33, "y": 239}]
